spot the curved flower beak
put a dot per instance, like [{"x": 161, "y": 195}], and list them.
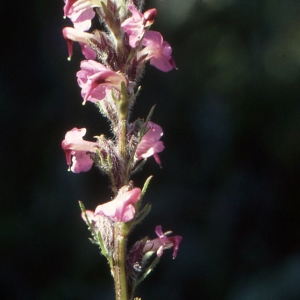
[{"x": 71, "y": 35}]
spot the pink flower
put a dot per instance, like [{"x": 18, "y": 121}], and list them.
[
  {"x": 163, "y": 242},
  {"x": 80, "y": 12},
  {"x": 135, "y": 25},
  {"x": 96, "y": 80},
  {"x": 150, "y": 143},
  {"x": 121, "y": 209},
  {"x": 73, "y": 35},
  {"x": 77, "y": 149},
  {"x": 157, "y": 51}
]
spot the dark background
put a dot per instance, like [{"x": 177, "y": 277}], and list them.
[{"x": 230, "y": 182}]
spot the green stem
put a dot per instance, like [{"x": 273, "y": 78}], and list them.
[
  {"x": 119, "y": 260},
  {"x": 122, "y": 138},
  {"x": 121, "y": 229},
  {"x": 123, "y": 105}
]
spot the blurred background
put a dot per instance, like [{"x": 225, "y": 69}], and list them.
[{"x": 230, "y": 182}]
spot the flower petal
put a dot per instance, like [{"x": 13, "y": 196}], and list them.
[
  {"x": 121, "y": 209},
  {"x": 157, "y": 51},
  {"x": 76, "y": 148},
  {"x": 96, "y": 80},
  {"x": 150, "y": 143}
]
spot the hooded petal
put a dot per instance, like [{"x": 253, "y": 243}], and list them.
[
  {"x": 121, "y": 209},
  {"x": 135, "y": 25},
  {"x": 80, "y": 15}
]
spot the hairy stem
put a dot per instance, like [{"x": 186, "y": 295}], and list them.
[
  {"x": 119, "y": 260},
  {"x": 123, "y": 105},
  {"x": 121, "y": 230},
  {"x": 122, "y": 139}
]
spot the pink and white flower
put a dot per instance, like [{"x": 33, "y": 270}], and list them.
[
  {"x": 77, "y": 150},
  {"x": 96, "y": 80},
  {"x": 71, "y": 35},
  {"x": 157, "y": 51},
  {"x": 150, "y": 143},
  {"x": 163, "y": 242},
  {"x": 80, "y": 12},
  {"x": 121, "y": 209},
  {"x": 135, "y": 25}
]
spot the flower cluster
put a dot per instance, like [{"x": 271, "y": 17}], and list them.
[
  {"x": 78, "y": 151},
  {"x": 115, "y": 56},
  {"x": 147, "y": 44}
]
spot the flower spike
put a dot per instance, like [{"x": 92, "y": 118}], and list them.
[{"x": 115, "y": 52}]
